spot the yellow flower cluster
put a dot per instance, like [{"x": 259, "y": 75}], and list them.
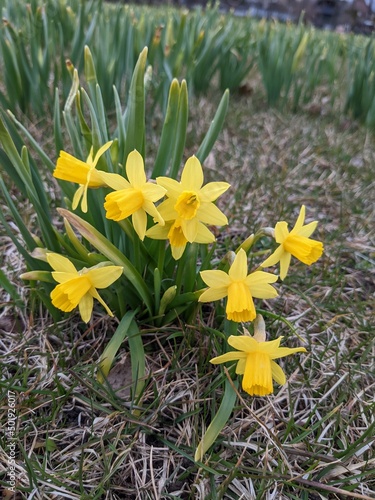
[{"x": 183, "y": 217}]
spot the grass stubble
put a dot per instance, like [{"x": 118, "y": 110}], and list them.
[{"x": 313, "y": 439}]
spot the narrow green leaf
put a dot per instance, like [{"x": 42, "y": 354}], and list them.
[
  {"x": 109, "y": 353},
  {"x": 168, "y": 133},
  {"x": 137, "y": 356},
  {"x": 181, "y": 128},
  {"x": 219, "y": 421},
  {"x": 57, "y": 123},
  {"x": 10, "y": 288},
  {"x": 135, "y": 113},
  {"x": 214, "y": 129},
  {"x": 36, "y": 146}
]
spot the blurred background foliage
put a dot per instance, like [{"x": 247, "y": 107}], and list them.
[{"x": 42, "y": 41}]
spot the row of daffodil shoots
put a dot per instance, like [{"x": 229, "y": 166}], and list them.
[{"x": 182, "y": 218}]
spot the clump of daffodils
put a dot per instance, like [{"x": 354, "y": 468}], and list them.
[
  {"x": 184, "y": 215},
  {"x": 181, "y": 213}
]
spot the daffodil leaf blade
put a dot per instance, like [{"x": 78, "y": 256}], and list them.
[
  {"x": 135, "y": 113},
  {"x": 10, "y": 289},
  {"x": 109, "y": 353},
  {"x": 181, "y": 127},
  {"x": 168, "y": 132},
  {"x": 219, "y": 420},
  {"x": 214, "y": 129}
]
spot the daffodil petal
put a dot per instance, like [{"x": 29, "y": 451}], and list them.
[
  {"x": 300, "y": 220},
  {"x": 102, "y": 277},
  {"x": 243, "y": 343},
  {"x": 89, "y": 159},
  {"x": 62, "y": 277},
  {"x": 86, "y": 306},
  {"x": 139, "y": 220},
  {"x": 114, "y": 181},
  {"x": 204, "y": 235},
  {"x": 274, "y": 258},
  {"x": 228, "y": 356},
  {"x": 277, "y": 373},
  {"x": 238, "y": 270},
  {"x": 153, "y": 192},
  {"x": 150, "y": 208},
  {"x": 190, "y": 229},
  {"x": 307, "y": 230},
  {"x": 211, "y": 214},
  {"x": 96, "y": 296},
  {"x": 60, "y": 263},
  {"x": 158, "y": 232},
  {"x": 241, "y": 365},
  {"x": 167, "y": 211},
  {"x": 174, "y": 188},
  {"x": 212, "y": 294},
  {"x": 215, "y": 279},
  {"x": 212, "y": 191},
  {"x": 192, "y": 175},
  {"x": 284, "y": 264},
  {"x": 281, "y": 352},
  {"x": 281, "y": 231},
  {"x": 135, "y": 169},
  {"x": 101, "y": 151},
  {"x": 259, "y": 284},
  {"x": 177, "y": 251},
  {"x": 270, "y": 347},
  {"x": 77, "y": 197},
  {"x": 84, "y": 206}
]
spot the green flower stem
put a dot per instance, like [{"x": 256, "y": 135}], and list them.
[{"x": 157, "y": 288}]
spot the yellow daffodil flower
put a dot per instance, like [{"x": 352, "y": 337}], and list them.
[
  {"x": 256, "y": 362},
  {"x": 239, "y": 287},
  {"x": 135, "y": 197},
  {"x": 79, "y": 288},
  {"x": 172, "y": 230},
  {"x": 189, "y": 203},
  {"x": 297, "y": 242},
  {"x": 69, "y": 168}
]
